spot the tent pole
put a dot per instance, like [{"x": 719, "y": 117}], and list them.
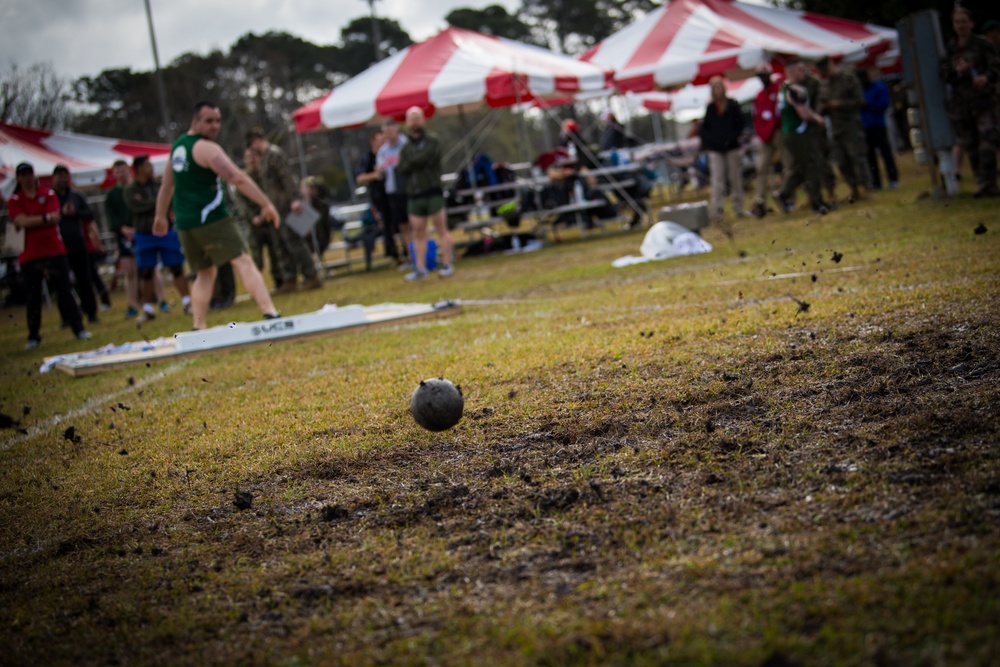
[
  {"x": 657, "y": 127},
  {"x": 161, "y": 89},
  {"x": 522, "y": 127}
]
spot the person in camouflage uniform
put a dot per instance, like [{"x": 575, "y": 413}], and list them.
[
  {"x": 841, "y": 99},
  {"x": 971, "y": 69},
  {"x": 797, "y": 119},
  {"x": 991, "y": 31},
  {"x": 278, "y": 183},
  {"x": 260, "y": 234},
  {"x": 827, "y": 179}
]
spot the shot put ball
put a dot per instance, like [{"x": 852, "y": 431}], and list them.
[{"x": 437, "y": 404}]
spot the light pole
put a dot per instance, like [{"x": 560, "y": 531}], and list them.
[
  {"x": 376, "y": 33},
  {"x": 159, "y": 75}
]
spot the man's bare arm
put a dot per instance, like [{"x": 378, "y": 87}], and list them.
[
  {"x": 163, "y": 199},
  {"x": 210, "y": 155}
]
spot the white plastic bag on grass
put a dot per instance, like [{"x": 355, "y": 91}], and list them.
[{"x": 665, "y": 240}]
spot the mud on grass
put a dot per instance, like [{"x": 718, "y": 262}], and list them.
[{"x": 822, "y": 501}]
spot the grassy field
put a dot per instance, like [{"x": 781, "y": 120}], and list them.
[{"x": 783, "y": 452}]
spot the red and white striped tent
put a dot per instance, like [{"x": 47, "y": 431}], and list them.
[
  {"x": 690, "y": 41},
  {"x": 455, "y": 67},
  {"x": 89, "y": 158}
]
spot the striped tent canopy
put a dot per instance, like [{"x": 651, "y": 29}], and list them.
[
  {"x": 89, "y": 158},
  {"x": 690, "y": 41},
  {"x": 690, "y": 101},
  {"x": 455, "y": 67}
]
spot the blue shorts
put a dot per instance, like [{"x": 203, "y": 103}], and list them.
[{"x": 151, "y": 249}]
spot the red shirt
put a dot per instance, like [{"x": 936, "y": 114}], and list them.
[
  {"x": 766, "y": 119},
  {"x": 39, "y": 242}
]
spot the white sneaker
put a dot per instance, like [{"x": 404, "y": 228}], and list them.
[
  {"x": 447, "y": 271},
  {"x": 32, "y": 344},
  {"x": 84, "y": 335},
  {"x": 416, "y": 275}
]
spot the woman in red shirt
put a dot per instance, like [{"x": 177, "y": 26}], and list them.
[{"x": 44, "y": 255}]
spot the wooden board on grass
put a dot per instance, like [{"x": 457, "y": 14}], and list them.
[{"x": 330, "y": 319}]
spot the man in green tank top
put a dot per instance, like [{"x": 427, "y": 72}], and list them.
[{"x": 193, "y": 184}]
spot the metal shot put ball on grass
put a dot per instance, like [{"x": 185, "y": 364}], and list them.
[{"x": 437, "y": 404}]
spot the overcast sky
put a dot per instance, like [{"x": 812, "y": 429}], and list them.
[{"x": 85, "y": 37}]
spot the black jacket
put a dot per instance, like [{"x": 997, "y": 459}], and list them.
[{"x": 720, "y": 133}]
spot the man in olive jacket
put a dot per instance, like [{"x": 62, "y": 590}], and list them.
[{"x": 420, "y": 162}]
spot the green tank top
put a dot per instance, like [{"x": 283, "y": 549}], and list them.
[{"x": 198, "y": 192}]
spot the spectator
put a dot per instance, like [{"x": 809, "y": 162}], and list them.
[
  {"x": 387, "y": 158},
  {"x": 876, "y": 132},
  {"x": 767, "y": 126},
  {"x": 315, "y": 193},
  {"x": 278, "y": 183},
  {"x": 420, "y": 162},
  {"x": 37, "y": 213},
  {"x": 152, "y": 248},
  {"x": 797, "y": 117},
  {"x": 971, "y": 70},
  {"x": 818, "y": 131},
  {"x": 991, "y": 31},
  {"x": 613, "y": 137},
  {"x": 120, "y": 222},
  {"x": 570, "y": 139},
  {"x": 367, "y": 174},
  {"x": 74, "y": 214},
  {"x": 720, "y": 134},
  {"x": 259, "y": 232},
  {"x": 841, "y": 99}
]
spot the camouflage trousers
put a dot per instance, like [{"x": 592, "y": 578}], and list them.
[
  {"x": 824, "y": 159},
  {"x": 299, "y": 258},
  {"x": 977, "y": 135},
  {"x": 282, "y": 269},
  {"x": 850, "y": 151},
  {"x": 803, "y": 167}
]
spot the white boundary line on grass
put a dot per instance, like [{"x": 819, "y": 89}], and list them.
[
  {"x": 786, "y": 276},
  {"x": 91, "y": 405}
]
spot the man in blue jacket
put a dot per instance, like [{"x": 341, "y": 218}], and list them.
[{"x": 876, "y": 133}]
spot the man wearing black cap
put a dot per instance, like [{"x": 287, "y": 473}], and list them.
[{"x": 75, "y": 213}]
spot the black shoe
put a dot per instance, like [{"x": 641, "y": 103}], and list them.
[
  {"x": 822, "y": 208},
  {"x": 987, "y": 191},
  {"x": 272, "y": 317}
]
